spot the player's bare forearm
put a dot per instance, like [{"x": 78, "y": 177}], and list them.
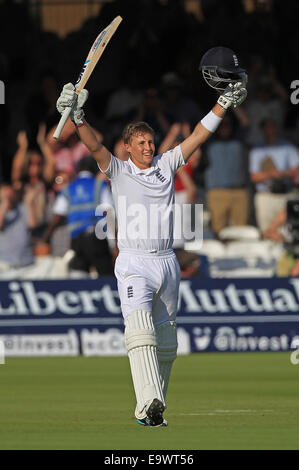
[
  {"x": 199, "y": 135},
  {"x": 96, "y": 148}
]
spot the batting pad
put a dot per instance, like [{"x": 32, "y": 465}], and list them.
[
  {"x": 166, "y": 351},
  {"x": 141, "y": 343}
]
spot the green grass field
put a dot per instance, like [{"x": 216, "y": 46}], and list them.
[{"x": 215, "y": 401}]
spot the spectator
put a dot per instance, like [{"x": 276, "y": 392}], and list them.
[
  {"x": 184, "y": 185},
  {"x": 225, "y": 179},
  {"x": 285, "y": 224},
  {"x": 34, "y": 170},
  {"x": 273, "y": 169},
  {"x": 41, "y": 104},
  {"x": 17, "y": 219},
  {"x": 68, "y": 150},
  {"x": 269, "y": 102},
  {"x": 124, "y": 101},
  {"x": 176, "y": 106},
  {"x": 60, "y": 239},
  {"x": 280, "y": 230},
  {"x": 122, "y": 105},
  {"x": 43, "y": 159},
  {"x": 151, "y": 111},
  {"x": 78, "y": 202},
  {"x": 119, "y": 150},
  {"x": 185, "y": 193}
]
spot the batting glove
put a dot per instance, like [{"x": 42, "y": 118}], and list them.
[
  {"x": 233, "y": 95},
  {"x": 240, "y": 94},
  {"x": 69, "y": 98}
]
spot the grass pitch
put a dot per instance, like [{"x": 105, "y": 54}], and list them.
[{"x": 215, "y": 401}]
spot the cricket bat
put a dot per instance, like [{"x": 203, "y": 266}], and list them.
[{"x": 94, "y": 55}]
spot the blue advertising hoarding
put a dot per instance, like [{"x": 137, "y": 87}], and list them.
[{"x": 71, "y": 317}]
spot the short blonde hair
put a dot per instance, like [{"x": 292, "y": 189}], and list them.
[{"x": 136, "y": 128}]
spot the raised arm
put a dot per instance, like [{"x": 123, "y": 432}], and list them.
[
  {"x": 4, "y": 207},
  {"x": 202, "y": 131},
  {"x": 68, "y": 97},
  {"x": 19, "y": 158},
  {"x": 96, "y": 148},
  {"x": 49, "y": 165},
  {"x": 234, "y": 95}
]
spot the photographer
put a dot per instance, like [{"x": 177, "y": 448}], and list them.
[
  {"x": 285, "y": 228},
  {"x": 273, "y": 168}
]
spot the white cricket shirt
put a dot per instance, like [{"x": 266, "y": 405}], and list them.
[{"x": 144, "y": 201}]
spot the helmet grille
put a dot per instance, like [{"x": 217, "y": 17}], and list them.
[{"x": 220, "y": 80}]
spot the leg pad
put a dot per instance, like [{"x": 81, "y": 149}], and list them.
[{"x": 141, "y": 343}]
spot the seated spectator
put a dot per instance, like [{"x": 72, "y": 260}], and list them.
[
  {"x": 78, "y": 202},
  {"x": 17, "y": 219},
  {"x": 276, "y": 231},
  {"x": 273, "y": 168},
  {"x": 280, "y": 231},
  {"x": 225, "y": 179}
]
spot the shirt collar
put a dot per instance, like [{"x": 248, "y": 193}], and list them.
[{"x": 139, "y": 171}]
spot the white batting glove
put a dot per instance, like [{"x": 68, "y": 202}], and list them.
[
  {"x": 77, "y": 114},
  {"x": 233, "y": 95},
  {"x": 69, "y": 97},
  {"x": 240, "y": 93}
]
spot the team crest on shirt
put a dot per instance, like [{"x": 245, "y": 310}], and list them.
[
  {"x": 160, "y": 176},
  {"x": 130, "y": 291}
]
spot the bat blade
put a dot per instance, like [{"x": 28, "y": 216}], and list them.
[{"x": 96, "y": 50}]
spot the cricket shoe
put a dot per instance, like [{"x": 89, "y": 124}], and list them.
[
  {"x": 147, "y": 422},
  {"x": 154, "y": 415}
]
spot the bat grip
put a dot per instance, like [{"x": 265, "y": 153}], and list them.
[{"x": 62, "y": 122}]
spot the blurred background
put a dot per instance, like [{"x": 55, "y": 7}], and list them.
[
  {"x": 240, "y": 288},
  {"x": 150, "y": 72}
]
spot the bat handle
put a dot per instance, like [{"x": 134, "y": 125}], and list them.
[{"x": 62, "y": 122}]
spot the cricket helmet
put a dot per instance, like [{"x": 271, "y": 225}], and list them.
[{"x": 220, "y": 66}]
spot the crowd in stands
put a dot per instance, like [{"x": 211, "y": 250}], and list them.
[{"x": 245, "y": 175}]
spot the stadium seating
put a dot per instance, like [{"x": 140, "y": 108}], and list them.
[{"x": 240, "y": 252}]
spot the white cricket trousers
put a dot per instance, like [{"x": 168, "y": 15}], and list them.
[{"x": 149, "y": 281}]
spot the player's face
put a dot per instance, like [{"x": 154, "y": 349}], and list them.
[{"x": 141, "y": 149}]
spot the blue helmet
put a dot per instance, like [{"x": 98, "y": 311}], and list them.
[{"x": 220, "y": 66}]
